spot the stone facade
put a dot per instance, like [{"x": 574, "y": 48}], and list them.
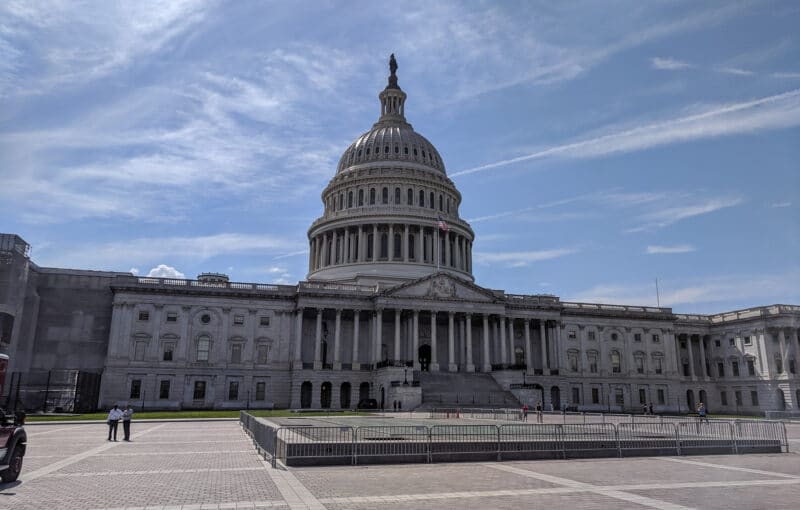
[{"x": 389, "y": 296}]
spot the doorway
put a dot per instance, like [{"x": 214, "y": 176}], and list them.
[{"x": 424, "y": 355}]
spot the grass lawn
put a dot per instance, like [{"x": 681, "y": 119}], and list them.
[{"x": 156, "y": 415}]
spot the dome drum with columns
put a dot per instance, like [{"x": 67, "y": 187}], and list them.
[{"x": 383, "y": 208}]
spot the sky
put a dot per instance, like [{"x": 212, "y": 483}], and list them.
[{"x": 598, "y": 146}]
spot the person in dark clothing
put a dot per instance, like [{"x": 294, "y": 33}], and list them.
[{"x": 127, "y": 414}]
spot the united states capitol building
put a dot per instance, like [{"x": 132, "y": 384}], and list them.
[{"x": 389, "y": 311}]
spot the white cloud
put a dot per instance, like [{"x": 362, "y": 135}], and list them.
[
  {"x": 279, "y": 275},
  {"x": 666, "y": 216},
  {"x": 734, "y": 70},
  {"x": 134, "y": 271},
  {"x": 778, "y": 205},
  {"x": 772, "y": 112},
  {"x": 520, "y": 258},
  {"x": 165, "y": 271},
  {"x": 792, "y": 76},
  {"x": 680, "y": 248},
  {"x": 668, "y": 64}
]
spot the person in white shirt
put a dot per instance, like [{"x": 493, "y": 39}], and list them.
[
  {"x": 113, "y": 421},
  {"x": 127, "y": 414}
]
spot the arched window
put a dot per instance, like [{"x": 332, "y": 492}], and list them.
[
  {"x": 372, "y": 196},
  {"x": 433, "y": 201},
  {"x": 384, "y": 246},
  {"x": 397, "y": 195},
  {"x": 341, "y": 201},
  {"x": 410, "y": 197},
  {"x": 405, "y": 150},
  {"x": 616, "y": 367},
  {"x": 396, "y": 149},
  {"x": 305, "y": 394},
  {"x": 441, "y": 203},
  {"x": 386, "y": 150},
  {"x": 448, "y": 205},
  {"x": 398, "y": 246},
  {"x": 385, "y": 195},
  {"x": 421, "y": 198},
  {"x": 411, "y": 244},
  {"x": 349, "y": 199},
  {"x": 360, "y": 197}
]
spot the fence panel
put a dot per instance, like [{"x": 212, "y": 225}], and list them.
[
  {"x": 706, "y": 437},
  {"x": 754, "y": 436},
  {"x": 264, "y": 436},
  {"x": 315, "y": 445},
  {"x": 438, "y": 413},
  {"x": 652, "y": 438},
  {"x": 464, "y": 442},
  {"x": 408, "y": 443},
  {"x": 590, "y": 439},
  {"x": 526, "y": 441}
]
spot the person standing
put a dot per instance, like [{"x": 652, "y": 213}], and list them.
[
  {"x": 524, "y": 412},
  {"x": 539, "y": 412},
  {"x": 702, "y": 413},
  {"x": 113, "y": 421},
  {"x": 127, "y": 414}
]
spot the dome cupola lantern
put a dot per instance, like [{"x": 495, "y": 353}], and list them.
[{"x": 390, "y": 212}]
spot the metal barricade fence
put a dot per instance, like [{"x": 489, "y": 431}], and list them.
[
  {"x": 646, "y": 437},
  {"x": 263, "y": 436},
  {"x": 454, "y": 440},
  {"x": 409, "y": 441},
  {"x": 706, "y": 437},
  {"x": 589, "y": 437},
  {"x": 529, "y": 439},
  {"x": 332, "y": 443},
  {"x": 760, "y": 435},
  {"x": 444, "y": 412}
]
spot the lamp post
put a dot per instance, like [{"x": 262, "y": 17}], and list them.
[
  {"x": 405, "y": 376},
  {"x": 523, "y": 378}
]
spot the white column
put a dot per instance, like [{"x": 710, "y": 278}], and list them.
[
  {"x": 559, "y": 349},
  {"x": 503, "y": 353},
  {"x": 362, "y": 248},
  {"x": 528, "y": 353},
  {"x": 468, "y": 324},
  {"x": 434, "y": 359},
  {"x": 397, "y": 335},
  {"x": 356, "y": 327},
  {"x": 337, "y": 334},
  {"x": 447, "y": 249},
  {"x": 405, "y": 243},
  {"x": 390, "y": 254},
  {"x": 451, "y": 343},
  {"x": 784, "y": 351},
  {"x": 374, "y": 243},
  {"x": 511, "y": 356},
  {"x": 378, "y": 335},
  {"x": 298, "y": 339},
  {"x": 415, "y": 329},
  {"x": 691, "y": 356},
  {"x": 318, "y": 342},
  {"x": 543, "y": 338},
  {"x": 487, "y": 362}
]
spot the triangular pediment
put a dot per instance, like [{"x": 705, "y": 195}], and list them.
[{"x": 442, "y": 286}]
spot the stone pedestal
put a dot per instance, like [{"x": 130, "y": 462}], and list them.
[{"x": 470, "y": 367}]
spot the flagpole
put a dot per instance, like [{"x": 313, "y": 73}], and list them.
[{"x": 658, "y": 298}]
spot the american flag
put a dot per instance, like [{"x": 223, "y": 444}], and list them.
[{"x": 443, "y": 226}]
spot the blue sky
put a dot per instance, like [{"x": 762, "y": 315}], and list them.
[{"x": 597, "y": 145}]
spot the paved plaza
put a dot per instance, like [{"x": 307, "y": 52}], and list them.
[{"x": 200, "y": 465}]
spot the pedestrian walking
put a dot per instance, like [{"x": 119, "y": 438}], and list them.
[
  {"x": 127, "y": 414},
  {"x": 701, "y": 412},
  {"x": 113, "y": 421},
  {"x": 644, "y": 409},
  {"x": 524, "y": 412},
  {"x": 650, "y": 408},
  {"x": 539, "y": 413}
]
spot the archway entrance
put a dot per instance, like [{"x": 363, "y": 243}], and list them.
[
  {"x": 363, "y": 391},
  {"x": 690, "y": 400},
  {"x": 383, "y": 397},
  {"x": 519, "y": 356},
  {"x": 555, "y": 398},
  {"x": 325, "y": 395},
  {"x": 324, "y": 353},
  {"x": 344, "y": 396},
  {"x": 702, "y": 396},
  {"x": 424, "y": 355},
  {"x": 305, "y": 395}
]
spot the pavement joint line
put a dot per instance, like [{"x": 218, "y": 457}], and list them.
[
  {"x": 50, "y": 468},
  {"x": 616, "y": 494},
  {"x": 292, "y": 490},
  {"x": 60, "y": 429},
  {"x": 732, "y": 468},
  {"x": 210, "y": 452},
  {"x": 154, "y": 472}
]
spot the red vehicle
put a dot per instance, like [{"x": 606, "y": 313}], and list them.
[{"x": 13, "y": 439}]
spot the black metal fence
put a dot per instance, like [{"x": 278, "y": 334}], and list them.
[
  {"x": 69, "y": 391},
  {"x": 308, "y": 445}
]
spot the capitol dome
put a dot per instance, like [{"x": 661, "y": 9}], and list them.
[{"x": 390, "y": 211}]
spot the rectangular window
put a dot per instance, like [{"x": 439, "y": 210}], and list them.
[
  {"x": 792, "y": 367},
  {"x": 747, "y": 340},
  {"x": 233, "y": 390},
  {"x": 136, "y": 389},
  {"x": 754, "y": 397},
  {"x": 642, "y": 396},
  {"x": 163, "y": 389},
  {"x": 637, "y": 337},
  {"x": 735, "y": 368},
  {"x": 723, "y": 398},
  {"x": 593, "y": 364},
  {"x": 573, "y": 362},
  {"x": 573, "y": 335},
  {"x": 576, "y": 396},
  {"x": 656, "y": 338},
  {"x": 639, "y": 365},
  {"x": 236, "y": 353},
  {"x": 238, "y": 320},
  {"x": 732, "y": 342},
  {"x": 203, "y": 345},
  {"x": 779, "y": 365},
  {"x": 661, "y": 397},
  {"x": 262, "y": 354},
  {"x": 751, "y": 367},
  {"x": 616, "y": 367},
  {"x": 619, "y": 397},
  {"x": 261, "y": 389},
  {"x": 590, "y": 335},
  {"x": 199, "y": 390},
  {"x": 138, "y": 353},
  {"x": 721, "y": 369},
  {"x": 716, "y": 343},
  {"x": 144, "y": 315},
  {"x": 168, "y": 349},
  {"x": 595, "y": 396},
  {"x": 658, "y": 365},
  {"x": 172, "y": 316},
  {"x": 263, "y": 321},
  {"x": 683, "y": 344},
  {"x": 738, "y": 395}
]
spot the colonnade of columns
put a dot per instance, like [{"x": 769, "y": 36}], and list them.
[
  {"x": 390, "y": 243},
  {"x": 498, "y": 344}
]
